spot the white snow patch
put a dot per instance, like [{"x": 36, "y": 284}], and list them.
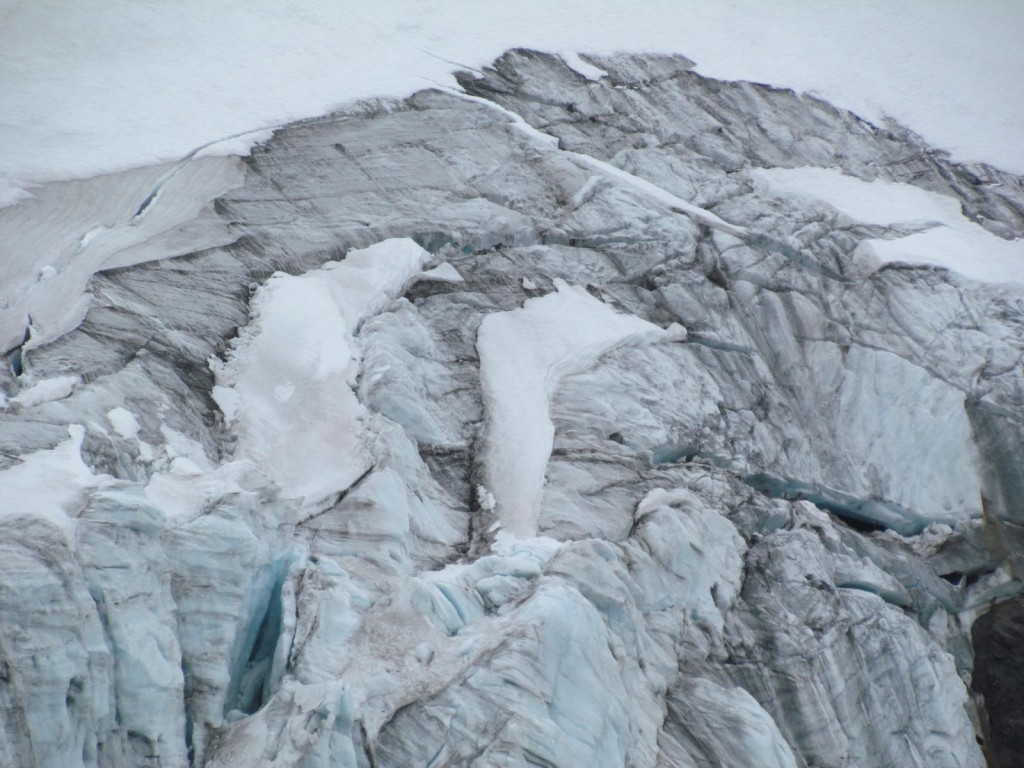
[
  {"x": 286, "y": 386},
  {"x": 87, "y": 239},
  {"x": 178, "y": 445},
  {"x": 184, "y": 489},
  {"x": 662, "y": 497},
  {"x": 583, "y": 67},
  {"x": 677, "y": 332},
  {"x": 523, "y": 354},
  {"x": 949, "y": 239},
  {"x": 45, "y": 391},
  {"x": 965, "y": 247},
  {"x": 586, "y": 191},
  {"x": 127, "y": 426},
  {"x": 444, "y": 273},
  {"x": 882, "y": 203},
  {"x": 53, "y": 484},
  {"x": 485, "y": 498},
  {"x": 12, "y": 192},
  {"x": 124, "y": 422},
  {"x": 283, "y": 392}
]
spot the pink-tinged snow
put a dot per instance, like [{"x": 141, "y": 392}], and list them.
[
  {"x": 523, "y": 354},
  {"x": 105, "y": 85},
  {"x": 53, "y": 484},
  {"x": 944, "y": 237},
  {"x": 286, "y": 386}
]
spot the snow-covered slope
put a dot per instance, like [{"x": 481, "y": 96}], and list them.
[
  {"x": 560, "y": 425},
  {"x": 95, "y": 87}
]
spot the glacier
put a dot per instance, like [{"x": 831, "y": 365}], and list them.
[{"x": 595, "y": 414}]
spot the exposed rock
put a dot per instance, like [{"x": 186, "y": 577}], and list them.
[{"x": 997, "y": 677}]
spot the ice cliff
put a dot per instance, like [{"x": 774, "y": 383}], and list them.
[{"x": 621, "y": 417}]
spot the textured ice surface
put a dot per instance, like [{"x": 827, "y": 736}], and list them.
[
  {"x": 408, "y": 459},
  {"x": 52, "y": 244},
  {"x": 938, "y": 232},
  {"x": 640, "y": 185},
  {"x": 52, "y": 483}
]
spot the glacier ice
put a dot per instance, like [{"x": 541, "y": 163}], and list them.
[
  {"x": 550, "y": 434},
  {"x": 938, "y": 232}
]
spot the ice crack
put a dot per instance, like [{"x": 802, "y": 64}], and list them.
[{"x": 609, "y": 171}]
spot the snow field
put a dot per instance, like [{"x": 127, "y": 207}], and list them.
[{"x": 113, "y": 84}]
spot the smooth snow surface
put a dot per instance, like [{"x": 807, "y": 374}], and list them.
[
  {"x": 943, "y": 237},
  {"x": 523, "y": 354},
  {"x": 287, "y": 385},
  {"x": 111, "y": 84}
]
